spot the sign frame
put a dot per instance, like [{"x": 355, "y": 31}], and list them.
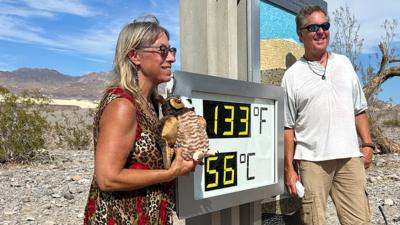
[{"x": 185, "y": 84}]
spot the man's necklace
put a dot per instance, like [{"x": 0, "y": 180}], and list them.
[{"x": 323, "y": 77}]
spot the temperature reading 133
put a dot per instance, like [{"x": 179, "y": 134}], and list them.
[{"x": 227, "y": 119}]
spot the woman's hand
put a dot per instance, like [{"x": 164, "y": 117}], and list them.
[{"x": 181, "y": 167}]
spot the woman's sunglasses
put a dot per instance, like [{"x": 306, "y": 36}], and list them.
[
  {"x": 164, "y": 50},
  {"x": 315, "y": 27}
]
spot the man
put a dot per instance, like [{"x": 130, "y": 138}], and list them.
[{"x": 324, "y": 112}]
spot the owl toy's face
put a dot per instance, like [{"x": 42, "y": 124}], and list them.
[
  {"x": 181, "y": 126},
  {"x": 187, "y": 102},
  {"x": 176, "y": 105}
]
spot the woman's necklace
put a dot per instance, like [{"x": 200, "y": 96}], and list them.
[
  {"x": 149, "y": 104},
  {"x": 323, "y": 77}
]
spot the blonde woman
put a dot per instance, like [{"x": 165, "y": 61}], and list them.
[{"x": 130, "y": 185}]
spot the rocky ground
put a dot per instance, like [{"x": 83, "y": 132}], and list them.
[{"x": 54, "y": 191}]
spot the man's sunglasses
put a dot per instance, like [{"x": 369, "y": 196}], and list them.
[
  {"x": 164, "y": 50},
  {"x": 315, "y": 27}
]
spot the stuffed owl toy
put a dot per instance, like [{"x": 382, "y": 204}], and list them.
[{"x": 182, "y": 127}]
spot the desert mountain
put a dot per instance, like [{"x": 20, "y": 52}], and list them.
[{"x": 55, "y": 84}]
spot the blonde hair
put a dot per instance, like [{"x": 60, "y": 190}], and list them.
[{"x": 141, "y": 32}]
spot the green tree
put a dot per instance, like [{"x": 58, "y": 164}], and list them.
[{"x": 23, "y": 127}]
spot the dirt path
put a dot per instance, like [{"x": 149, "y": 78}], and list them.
[{"x": 54, "y": 192}]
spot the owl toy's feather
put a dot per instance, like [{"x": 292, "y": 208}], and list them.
[
  {"x": 168, "y": 133},
  {"x": 189, "y": 131},
  {"x": 192, "y": 135}
]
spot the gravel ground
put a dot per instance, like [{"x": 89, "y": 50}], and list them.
[{"x": 55, "y": 191}]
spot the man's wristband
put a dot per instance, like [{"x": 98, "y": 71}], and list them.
[{"x": 368, "y": 145}]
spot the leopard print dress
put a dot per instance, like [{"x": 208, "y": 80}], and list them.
[{"x": 152, "y": 205}]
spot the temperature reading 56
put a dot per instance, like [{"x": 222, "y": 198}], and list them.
[{"x": 221, "y": 170}]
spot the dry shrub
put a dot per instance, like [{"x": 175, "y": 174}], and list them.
[
  {"x": 395, "y": 123},
  {"x": 23, "y": 127},
  {"x": 73, "y": 129},
  {"x": 28, "y": 125}
]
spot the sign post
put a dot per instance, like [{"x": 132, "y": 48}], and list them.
[
  {"x": 225, "y": 38},
  {"x": 245, "y": 125}
]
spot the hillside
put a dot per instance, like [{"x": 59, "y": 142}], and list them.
[
  {"x": 90, "y": 87},
  {"x": 53, "y": 189},
  {"x": 56, "y": 85}
]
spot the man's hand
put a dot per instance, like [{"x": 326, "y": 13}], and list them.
[
  {"x": 367, "y": 156},
  {"x": 363, "y": 132},
  {"x": 291, "y": 178}
]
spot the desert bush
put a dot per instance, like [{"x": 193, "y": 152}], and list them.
[
  {"x": 391, "y": 123},
  {"x": 22, "y": 126},
  {"x": 73, "y": 129},
  {"x": 272, "y": 76}
]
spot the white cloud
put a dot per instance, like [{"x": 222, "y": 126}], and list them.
[
  {"x": 97, "y": 60},
  {"x": 371, "y": 15},
  {"x": 154, "y": 3},
  {"x": 74, "y": 7},
  {"x": 6, "y": 60},
  {"x": 17, "y": 26},
  {"x": 17, "y": 30},
  {"x": 168, "y": 15},
  {"x": 23, "y": 12},
  {"x": 92, "y": 41},
  {"x": 95, "y": 42},
  {"x": 60, "y": 50},
  {"x": 4, "y": 66}
]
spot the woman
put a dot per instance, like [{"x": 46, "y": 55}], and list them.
[{"x": 130, "y": 185}]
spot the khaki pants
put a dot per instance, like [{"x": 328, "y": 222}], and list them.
[{"x": 344, "y": 180}]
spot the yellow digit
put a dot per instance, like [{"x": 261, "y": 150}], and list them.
[
  {"x": 230, "y": 120},
  {"x": 211, "y": 172},
  {"x": 228, "y": 170},
  {"x": 216, "y": 120},
  {"x": 245, "y": 120}
]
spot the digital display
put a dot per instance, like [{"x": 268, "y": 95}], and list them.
[
  {"x": 227, "y": 119},
  {"x": 220, "y": 171},
  {"x": 244, "y": 127},
  {"x": 242, "y": 132}
]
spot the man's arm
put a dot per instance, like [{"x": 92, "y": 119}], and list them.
[
  {"x": 291, "y": 176},
  {"x": 365, "y": 136}
]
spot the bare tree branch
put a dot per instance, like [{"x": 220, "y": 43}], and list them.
[
  {"x": 370, "y": 88},
  {"x": 383, "y": 74},
  {"x": 394, "y": 60},
  {"x": 347, "y": 41},
  {"x": 384, "y": 144},
  {"x": 384, "y": 59}
]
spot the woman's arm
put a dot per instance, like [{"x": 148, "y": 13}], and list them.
[{"x": 117, "y": 132}]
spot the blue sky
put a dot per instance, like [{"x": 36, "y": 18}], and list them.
[{"x": 76, "y": 37}]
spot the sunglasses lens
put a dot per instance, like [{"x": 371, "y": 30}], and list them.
[
  {"x": 325, "y": 26},
  {"x": 173, "y": 51},
  {"x": 163, "y": 51},
  {"x": 313, "y": 27}
]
